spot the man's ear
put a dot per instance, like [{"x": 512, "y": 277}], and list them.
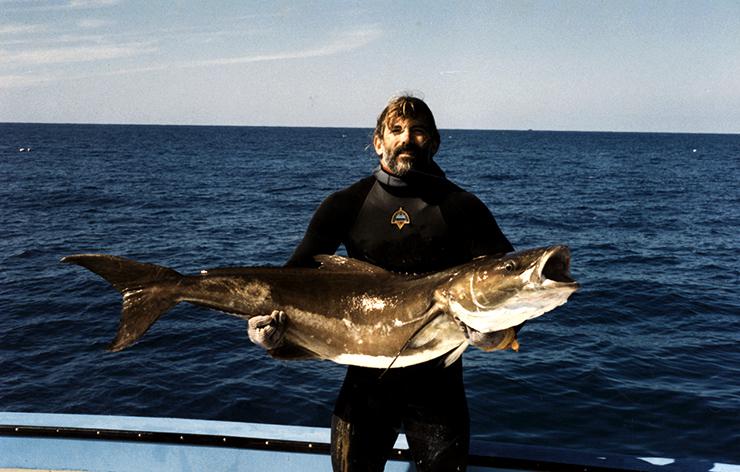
[
  {"x": 434, "y": 148},
  {"x": 378, "y": 144}
]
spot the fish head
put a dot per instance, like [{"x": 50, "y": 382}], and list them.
[{"x": 494, "y": 293}]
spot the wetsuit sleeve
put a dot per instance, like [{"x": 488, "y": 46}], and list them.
[
  {"x": 326, "y": 231},
  {"x": 482, "y": 233},
  {"x": 322, "y": 236},
  {"x": 330, "y": 224},
  {"x": 475, "y": 225}
]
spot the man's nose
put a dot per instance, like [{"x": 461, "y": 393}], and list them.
[{"x": 405, "y": 137}]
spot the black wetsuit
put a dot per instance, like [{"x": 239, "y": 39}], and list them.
[{"x": 422, "y": 223}]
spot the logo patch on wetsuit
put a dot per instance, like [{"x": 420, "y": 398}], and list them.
[{"x": 400, "y": 218}]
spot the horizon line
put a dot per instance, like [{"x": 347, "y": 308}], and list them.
[{"x": 522, "y": 130}]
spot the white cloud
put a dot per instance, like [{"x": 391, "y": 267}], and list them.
[
  {"x": 74, "y": 54},
  {"x": 19, "y": 6},
  {"x": 91, "y": 3},
  {"x": 92, "y": 23},
  {"x": 60, "y": 55},
  {"x": 10, "y": 81},
  {"x": 20, "y": 29},
  {"x": 346, "y": 42}
]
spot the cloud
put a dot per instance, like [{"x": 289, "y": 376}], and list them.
[
  {"x": 91, "y": 3},
  {"x": 20, "y": 29},
  {"x": 92, "y": 23},
  {"x": 19, "y": 6},
  {"x": 74, "y": 54},
  {"x": 344, "y": 43},
  {"x": 10, "y": 81},
  {"x": 341, "y": 43}
]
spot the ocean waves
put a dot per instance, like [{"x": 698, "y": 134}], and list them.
[{"x": 643, "y": 359}]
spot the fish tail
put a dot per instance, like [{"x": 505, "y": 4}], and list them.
[{"x": 148, "y": 291}]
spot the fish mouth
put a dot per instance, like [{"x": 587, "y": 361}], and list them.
[{"x": 553, "y": 268}]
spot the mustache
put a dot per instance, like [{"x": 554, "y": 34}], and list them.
[{"x": 410, "y": 148}]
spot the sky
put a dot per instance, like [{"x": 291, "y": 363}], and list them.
[{"x": 654, "y": 66}]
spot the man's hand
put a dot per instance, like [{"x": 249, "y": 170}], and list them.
[
  {"x": 267, "y": 331},
  {"x": 494, "y": 341}
]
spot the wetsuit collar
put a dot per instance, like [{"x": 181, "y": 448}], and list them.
[
  {"x": 432, "y": 172},
  {"x": 388, "y": 179}
]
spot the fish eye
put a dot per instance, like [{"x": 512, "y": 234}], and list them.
[{"x": 509, "y": 266}]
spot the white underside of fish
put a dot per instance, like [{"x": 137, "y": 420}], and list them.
[
  {"x": 383, "y": 362},
  {"x": 524, "y": 305}
]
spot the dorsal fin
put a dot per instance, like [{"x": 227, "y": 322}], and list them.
[{"x": 346, "y": 264}]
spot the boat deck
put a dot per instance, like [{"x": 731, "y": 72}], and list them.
[{"x": 58, "y": 442}]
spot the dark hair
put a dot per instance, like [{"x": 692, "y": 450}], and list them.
[{"x": 406, "y": 106}]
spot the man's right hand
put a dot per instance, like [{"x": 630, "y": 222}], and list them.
[{"x": 268, "y": 331}]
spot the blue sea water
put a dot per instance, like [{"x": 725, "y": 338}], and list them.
[{"x": 643, "y": 360}]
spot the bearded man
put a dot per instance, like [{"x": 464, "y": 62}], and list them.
[{"x": 406, "y": 217}]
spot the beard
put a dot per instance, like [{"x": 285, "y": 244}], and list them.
[{"x": 401, "y": 165}]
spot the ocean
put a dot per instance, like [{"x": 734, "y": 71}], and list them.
[{"x": 643, "y": 360}]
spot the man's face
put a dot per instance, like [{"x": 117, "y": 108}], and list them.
[{"x": 406, "y": 143}]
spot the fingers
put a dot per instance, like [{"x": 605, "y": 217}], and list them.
[
  {"x": 263, "y": 337},
  {"x": 493, "y": 341},
  {"x": 279, "y": 325},
  {"x": 510, "y": 341},
  {"x": 279, "y": 316},
  {"x": 261, "y": 321},
  {"x": 267, "y": 331}
]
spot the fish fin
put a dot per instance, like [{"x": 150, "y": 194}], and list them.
[
  {"x": 148, "y": 291},
  {"x": 455, "y": 354},
  {"x": 426, "y": 333},
  {"x": 346, "y": 264},
  {"x": 430, "y": 315}
]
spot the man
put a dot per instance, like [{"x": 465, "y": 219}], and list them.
[{"x": 406, "y": 217}]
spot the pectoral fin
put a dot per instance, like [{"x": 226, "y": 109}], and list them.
[
  {"x": 422, "y": 335},
  {"x": 455, "y": 354}
]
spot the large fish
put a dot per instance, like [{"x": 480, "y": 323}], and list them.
[{"x": 352, "y": 312}]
